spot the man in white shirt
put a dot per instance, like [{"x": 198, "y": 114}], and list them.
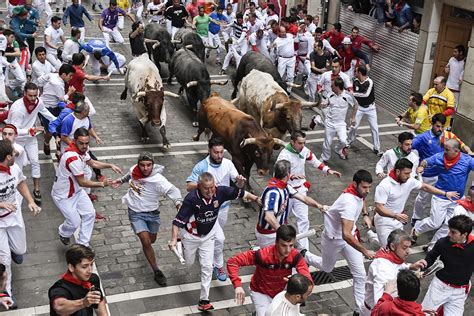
[
  {"x": 287, "y": 303},
  {"x": 284, "y": 46},
  {"x": 454, "y": 71},
  {"x": 71, "y": 45},
  {"x": 271, "y": 14},
  {"x": 259, "y": 42},
  {"x": 224, "y": 172},
  {"x": 335, "y": 123},
  {"x": 253, "y": 24},
  {"x": 402, "y": 150},
  {"x": 311, "y": 26},
  {"x": 391, "y": 195},
  {"x": 340, "y": 235},
  {"x": 41, "y": 66},
  {"x": 68, "y": 189},
  {"x": 385, "y": 267},
  {"x": 3, "y": 63},
  {"x": 252, "y": 9},
  {"x": 10, "y": 132},
  {"x": 305, "y": 44},
  {"x": 238, "y": 47},
  {"x": 227, "y": 31},
  {"x": 146, "y": 186},
  {"x": 299, "y": 155},
  {"x": 53, "y": 40},
  {"x": 23, "y": 114},
  {"x": 12, "y": 228}
]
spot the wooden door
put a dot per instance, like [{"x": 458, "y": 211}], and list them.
[{"x": 453, "y": 31}]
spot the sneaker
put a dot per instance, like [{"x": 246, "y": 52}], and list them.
[
  {"x": 160, "y": 278},
  {"x": 312, "y": 125},
  {"x": 93, "y": 7},
  {"x": 37, "y": 196},
  {"x": 220, "y": 274},
  {"x": 205, "y": 305},
  {"x": 378, "y": 153},
  {"x": 413, "y": 236},
  {"x": 65, "y": 240},
  {"x": 100, "y": 177},
  {"x": 342, "y": 153},
  {"x": 46, "y": 149},
  {"x": 14, "y": 305},
  {"x": 18, "y": 259},
  {"x": 93, "y": 197}
]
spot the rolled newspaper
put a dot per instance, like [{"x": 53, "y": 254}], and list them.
[
  {"x": 309, "y": 233},
  {"x": 178, "y": 251},
  {"x": 435, "y": 267}
]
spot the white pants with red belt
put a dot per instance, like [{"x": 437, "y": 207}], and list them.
[
  {"x": 423, "y": 198},
  {"x": 384, "y": 226},
  {"x": 204, "y": 247},
  {"x": 31, "y": 148},
  {"x": 261, "y": 302},
  {"x": 452, "y": 299},
  {"x": 287, "y": 66},
  {"x": 77, "y": 211},
  {"x": 265, "y": 240},
  {"x": 330, "y": 131},
  {"x": 439, "y": 209}
]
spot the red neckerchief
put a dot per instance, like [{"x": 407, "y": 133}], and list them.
[
  {"x": 71, "y": 106},
  {"x": 468, "y": 205},
  {"x": 470, "y": 238},
  {"x": 137, "y": 173},
  {"x": 71, "y": 279},
  {"x": 408, "y": 307},
  {"x": 5, "y": 169},
  {"x": 398, "y": 7},
  {"x": 276, "y": 183},
  {"x": 334, "y": 76},
  {"x": 30, "y": 106},
  {"x": 351, "y": 189},
  {"x": 392, "y": 175},
  {"x": 72, "y": 147},
  {"x": 391, "y": 256},
  {"x": 449, "y": 163}
]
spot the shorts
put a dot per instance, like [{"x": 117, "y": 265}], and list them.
[{"x": 144, "y": 221}]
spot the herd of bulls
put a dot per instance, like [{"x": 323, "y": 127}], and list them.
[{"x": 251, "y": 125}]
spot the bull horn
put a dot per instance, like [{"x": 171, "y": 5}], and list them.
[
  {"x": 279, "y": 142},
  {"x": 234, "y": 101},
  {"x": 192, "y": 84},
  {"x": 139, "y": 95},
  {"x": 190, "y": 46},
  {"x": 219, "y": 82},
  {"x": 309, "y": 104},
  {"x": 211, "y": 47},
  {"x": 247, "y": 141},
  {"x": 294, "y": 85},
  {"x": 176, "y": 41},
  {"x": 171, "y": 94}
]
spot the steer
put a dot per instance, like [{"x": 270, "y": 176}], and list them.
[
  {"x": 244, "y": 138},
  {"x": 261, "y": 97},
  {"x": 191, "y": 40},
  {"x": 193, "y": 77},
  {"x": 144, "y": 81},
  {"x": 254, "y": 60},
  {"x": 158, "y": 43}
]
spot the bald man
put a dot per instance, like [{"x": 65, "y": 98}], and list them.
[{"x": 440, "y": 99}]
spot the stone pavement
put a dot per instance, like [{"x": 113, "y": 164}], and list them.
[{"x": 126, "y": 277}]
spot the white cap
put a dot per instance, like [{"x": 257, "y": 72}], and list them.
[{"x": 346, "y": 40}]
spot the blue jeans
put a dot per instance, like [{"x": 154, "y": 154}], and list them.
[{"x": 144, "y": 221}]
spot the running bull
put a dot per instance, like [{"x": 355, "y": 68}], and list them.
[
  {"x": 261, "y": 97},
  {"x": 145, "y": 85},
  {"x": 191, "y": 40},
  {"x": 158, "y": 43},
  {"x": 244, "y": 138}
]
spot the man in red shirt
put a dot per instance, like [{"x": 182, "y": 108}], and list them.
[
  {"x": 335, "y": 35},
  {"x": 357, "y": 41},
  {"x": 77, "y": 80},
  {"x": 273, "y": 265}
]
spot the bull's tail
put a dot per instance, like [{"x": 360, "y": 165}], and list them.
[{"x": 123, "y": 96}]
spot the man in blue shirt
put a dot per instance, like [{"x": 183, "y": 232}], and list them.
[
  {"x": 99, "y": 51},
  {"x": 452, "y": 168},
  {"x": 428, "y": 144},
  {"x": 197, "y": 219},
  {"x": 214, "y": 29},
  {"x": 75, "y": 14}
]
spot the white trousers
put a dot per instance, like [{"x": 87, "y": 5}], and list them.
[
  {"x": 121, "y": 22},
  {"x": 303, "y": 65},
  {"x": 53, "y": 59},
  {"x": 265, "y": 240},
  {"x": 287, "y": 66},
  {"x": 439, "y": 209},
  {"x": 215, "y": 41},
  {"x": 121, "y": 60},
  {"x": 204, "y": 246},
  {"x": 31, "y": 148},
  {"x": 330, "y": 248},
  {"x": 44, "y": 7},
  {"x": 371, "y": 113},
  {"x": 330, "y": 131},
  {"x": 83, "y": 34},
  {"x": 18, "y": 78},
  {"x": 423, "y": 198},
  {"x": 77, "y": 211},
  {"x": 3, "y": 93},
  {"x": 138, "y": 11},
  {"x": 451, "y": 298},
  {"x": 300, "y": 211},
  {"x": 311, "y": 86},
  {"x": 261, "y": 302},
  {"x": 220, "y": 237},
  {"x": 384, "y": 226},
  {"x": 12, "y": 239},
  {"x": 112, "y": 33},
  {"x": 234, "y": 51}
]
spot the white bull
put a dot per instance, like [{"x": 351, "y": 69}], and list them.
[
  {"x": 144, "y": 82},
  {"x": 261, "y": 97}
]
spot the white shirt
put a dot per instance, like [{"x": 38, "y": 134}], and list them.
[
  {"x": 268, "y": 18},
  {"x": 22, "y": 159},
  {"x": 70, "y": 166},
  {"x": 285, "y": 46},
  {"x": 337, "y": 108},
  {"x": 53, "y": 89},
  {"x": 459, "y": 210},
  {"x": 156, "y": 8},
  {"x": 23, "y": 120},
  {"x": 312, "y": 28},
  {"x": 55, "y": 39},
  {"x": 280, "y": 306},
  {"x": 40, "y": 69},
  {"x": 325, "y": 82},
  {"x": 10, "y": 194},
  {"x": 347, "y": 206},
  {"x": 456, "y": 68},
  {"x": 70, "y": 48},
  {"x": 389, "y": 158},
  {"x": 260, "y": 43},
  {"x": 305, "y": 41},
  {"x": 380, "y": 272},
  {"x": 253, "y": 28},
  {"x": 257, "y": 13},
  {"x": 394, "y": 195}
]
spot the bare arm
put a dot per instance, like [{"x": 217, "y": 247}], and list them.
[
  {"x": 308, "y": 201},
  {"x": 47, "y": 42},
  {"x": 83, "y": 182},
  {"x": 431, "y": 189},
  {"x": 347, "y": 226},
  {"x": 385, "y": 212},
  {"x": 271, "y": 219}
]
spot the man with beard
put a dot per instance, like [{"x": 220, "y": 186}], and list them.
[
  {"x": 391, "y": 195},
  {"x": 146, "y": 185},
  {"x": 224, "y": 172},
  {"x": 386, "y": 265},
  {"x": 340, "y": 235},
  {"x": 391, "y": 156},
  {"x": 68, "y": 189},
  {"x": 428, "y": 144}
]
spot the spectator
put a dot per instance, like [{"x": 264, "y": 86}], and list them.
[
  {"x": 401, "y": 13},
  {"x": 454, "y": 70},
  {"x": 360, "y": 6},
  {"x": 357, "y": 41}
]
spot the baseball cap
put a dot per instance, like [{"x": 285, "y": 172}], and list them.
[{"x": 346, "y": 40}]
